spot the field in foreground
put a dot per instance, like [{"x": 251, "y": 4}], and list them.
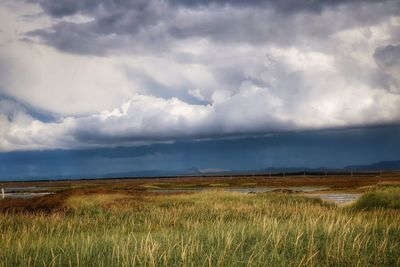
[{"x": 205, "y": 229}]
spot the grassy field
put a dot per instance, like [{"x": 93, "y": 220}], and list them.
[{"x": 118, "y": 228}]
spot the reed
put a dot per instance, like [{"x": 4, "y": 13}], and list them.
[{"x": 202, "y": 229}]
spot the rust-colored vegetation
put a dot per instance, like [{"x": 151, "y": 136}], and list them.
[{"x": 138, "y": 188}]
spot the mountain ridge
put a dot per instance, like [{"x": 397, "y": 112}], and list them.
[{"x": 194, "y": 171}]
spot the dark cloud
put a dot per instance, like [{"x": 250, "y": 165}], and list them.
[
  {"x": 388, "y": 56},
  {"x": 282, "y": 6},
  {"x": 110, "y": 25},
  {"x": 62, "y": 8},
  {"x": 388, "y": 59},
  {"x": 346, "y": 147},
  {"x": 70, "y": 7},
  {"x": 153, "y": 26},
  {"x": 12, "y": 107}
]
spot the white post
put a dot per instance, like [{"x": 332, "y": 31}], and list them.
[{"x": 2, "y": 193}]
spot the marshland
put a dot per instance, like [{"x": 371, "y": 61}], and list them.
[{"x": 205, "y": 221}]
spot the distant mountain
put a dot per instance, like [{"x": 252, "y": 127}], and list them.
[
  {"x": 384, "y": 166},
  {"x": 380, "y": 166},
  {"x": 294, "y": 169},
  {"x": 153, "y": 173},
  {"x": 213, "y": 170},
  {"x": 144, "y": 173}
]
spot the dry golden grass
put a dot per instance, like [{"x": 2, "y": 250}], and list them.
[{"x": 201, "y": 229}]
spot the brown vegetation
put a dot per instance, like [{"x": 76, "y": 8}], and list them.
[{"x": 137, "y": 187}]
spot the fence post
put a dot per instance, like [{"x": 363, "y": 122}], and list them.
[{"x": 2, "y": 193}]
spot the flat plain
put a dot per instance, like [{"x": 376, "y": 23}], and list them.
[{"x": 204, "y": 221}]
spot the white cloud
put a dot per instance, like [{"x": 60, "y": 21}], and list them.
[{"x": 207, "y": 84}]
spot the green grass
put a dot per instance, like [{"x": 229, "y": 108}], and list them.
[
  {"x": 202, "y": 229},
  {"x": 384, "y": 196}
]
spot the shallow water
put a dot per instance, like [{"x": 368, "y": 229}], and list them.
[
  {"x": 301, "y": 189},
  {"x": 25, "y": 188},
  {"x": 24, "y": 191},
  {"x": 26, "y": 195},
  {"x": 339, "y": 198}
]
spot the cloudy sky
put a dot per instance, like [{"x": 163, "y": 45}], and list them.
[{"x": 103, "y": 74}]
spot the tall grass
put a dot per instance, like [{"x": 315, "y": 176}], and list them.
[
  {"x": 385, "y": 196},
  {"x": 202, "y": 229}
]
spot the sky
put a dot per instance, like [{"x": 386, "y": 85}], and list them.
[{"x": 176, "y": 84}]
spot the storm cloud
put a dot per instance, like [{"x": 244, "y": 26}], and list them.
[
  {"x": 156, "y": 26},
  {"x": 115, "y": 73}
]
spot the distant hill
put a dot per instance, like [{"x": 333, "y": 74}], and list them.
[
  {"x": 144, "y": 173},
  {"x": 153, "y": 173},
  {"x": 294, "y": 169},
  {"x": 379, "y": 166},
  {"x": 383, "y": 165}
]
